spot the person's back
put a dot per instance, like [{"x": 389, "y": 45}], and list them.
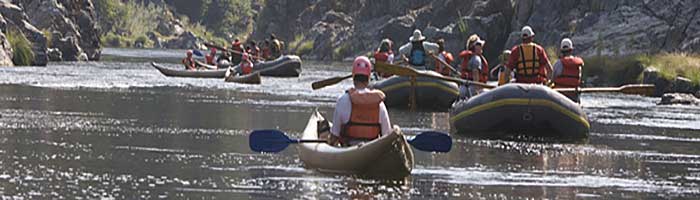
[
  {"x": 417, "y": 49},
  {"x": 360, "y": 114},
  {"x": 529, "y": 60},
  {"x": 444, "y": 56}
]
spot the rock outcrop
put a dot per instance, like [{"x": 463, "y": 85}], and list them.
[
  {"x": 679, "y": 98},
  {"x": 5, "y": 48},
  {"x": 18, "y": 20},
  {"x": 71, "y": 23}
]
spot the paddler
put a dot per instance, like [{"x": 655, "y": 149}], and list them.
[
  {"x": 360, "y": 114},
  {"x": 266, "y": 50},
  {"x": 189, "y": 61},
  {"x": 499, "y": 70},
  {"x": 474, "y": 66},
  {"x": 567, "y": 70},
  {"x": 224, "y": 60},
  {"x": 417, "y": 49},
  {"x": 254, "y": 53},
  {"x": 238, "y": 50},
  {"x": 385, "y": 54},
  {"x": 529, "y": 60},
  {"x": 276, "y": 47},
  {"x": 211, "y": 57},
  {"x": 444, "y": 56}
]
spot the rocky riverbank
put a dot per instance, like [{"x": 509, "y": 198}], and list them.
[{"x": 58, "y": 30}]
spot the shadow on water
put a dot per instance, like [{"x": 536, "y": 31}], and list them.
[{"x": 121, "y": 130}]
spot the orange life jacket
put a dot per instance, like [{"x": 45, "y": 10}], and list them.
[
  {"x": 571, "y": 73},
  {"x": 189, "y": 63},
  {"x": 528, "y": 67},
  {"x": 364, "y": 117},
  {"x": 444, "y": 70},
  {"x": 383, "y": 57},
  {"x": 466, "y": 55},
  {"x": 246, "y": 67}
]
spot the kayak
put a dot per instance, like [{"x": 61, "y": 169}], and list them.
[
  {"x": 388, "y": 157},
  {"x": 198, "y": 73},
  {"x": 252, "y": 78},
  {"x": 514, "y": 110},
  {"x": 431, "y": 94}
]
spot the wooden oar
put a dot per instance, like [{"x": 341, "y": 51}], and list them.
[
  {"x": 273, "y": 141},
  {"x": 200, "y": 63},
  {"x": 408, "y": 71},
  {"x": 331, "y": 81},
  {"x": 639, "y": 89},
  {"x": 445, "y": 63}
]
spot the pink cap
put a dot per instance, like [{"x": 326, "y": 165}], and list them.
[
  {"x": 362, "y": 65},
  {"x": 189, "y": 52},
  {"x": 213, "y": 50}
]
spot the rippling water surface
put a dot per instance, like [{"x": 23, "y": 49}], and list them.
[{"x": 119, "y": 129}]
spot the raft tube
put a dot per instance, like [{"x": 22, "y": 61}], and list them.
[
  {"x": 284, "y": 66},
  {"x": 515, "y": 110},
  {"x": 431, "y": 94}
]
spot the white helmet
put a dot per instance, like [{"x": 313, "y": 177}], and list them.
[{"x": 566, "y": 44}]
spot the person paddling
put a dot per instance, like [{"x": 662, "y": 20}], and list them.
[
  {"x": 238, "y": 50},
  {"x": 189, "y": 61},
  {"x": 266, "y": 51},
  {"x": 276, "y": 47},
  {"x": 211, "y": 57},
  {"x": 529, "y": 60},
  {"x": 499, "y": 70},
  {"x": 360, "y": 114},
  {"x": 444, "y": 56},
  {"x": 417, "y": 49},
  {"x": 567, "y": 70},
  {"x": 385, "y": 54},
  {"x": 474, "y": 66},
  {"x": 254, "y": 52}
]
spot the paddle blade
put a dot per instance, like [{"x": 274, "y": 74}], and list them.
[
  {"x": 331, "y": 81},
  {"x": 432, "y": 141},
  {"x": 271, "y": 141},
  {"x": 197, "y": 53}
]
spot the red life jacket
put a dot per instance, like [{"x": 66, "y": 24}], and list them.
[
  {"x": 466, "y": 55},
  {"x": 246, "y": 67},
  {"x": 364, "y": 117},
  {"x": 383, "y": 57},
  {"x": 266, "y": 53},
  {"x": 571, "y": 74},
  {"x": 210, "y": 59},
  {"x": 189, "y": 63},
  {"x": 528, "y": 67},
  {"x": 254, "y": 53},
  {"x": 444, "y": 70}
]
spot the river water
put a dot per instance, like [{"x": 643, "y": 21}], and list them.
[{"x": 119, "y": 129}]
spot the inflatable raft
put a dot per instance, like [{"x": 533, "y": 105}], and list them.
[
  {"x": 516, "y": 110},
  {"x": 284, "y": 66},
  {"x": 388, "y": 157},
  {"x": 431, "y": 94},
  {"x": 198, "y": 73}
]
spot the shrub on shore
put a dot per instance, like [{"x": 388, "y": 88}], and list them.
[{"x": 22, "y": 54}]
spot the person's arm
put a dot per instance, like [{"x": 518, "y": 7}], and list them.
[
  {"x": 405, "y": 50},
  {"x": 340, "y": 117},
  {"x": 512, "y": 62},
  {"x": 558, "y": 68},
  {"x": 431, "y": 47},
  {"x": 544, "y": 60},
  {"x": 384, "y": 120},
  {"x": 475, "y": 67}
]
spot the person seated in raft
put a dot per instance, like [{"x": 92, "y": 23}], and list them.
[
  {"x": 474, "y": 67},
  {"x": 243, "y": 68},
  {"x": 567, "y": 70},
  {"x": 499, "y": 70},
  {"x": 444, "y": 56},
  {"x": 211, "y": 57},
  {"x": 276, "y": 47},
  {"x": 529, "y": 60},
  {"x": 237, "y": 50},
  {"x": 224, "y": 60},
  {"x": 360, "y": 114},
  {"x": 254, "y": 52},
  {"x": 384, "y": 54},
  {"x": 266, "y": 52},
  {"x": 189, "y": 61},
  {"x": 416, "y": 51}
]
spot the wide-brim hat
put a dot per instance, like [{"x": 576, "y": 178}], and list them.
[
  {"x": 566, "y": 44},
  {"x": 417, "y": 36}
]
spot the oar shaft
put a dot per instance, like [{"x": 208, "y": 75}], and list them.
[{"x": 308, "y": 141}]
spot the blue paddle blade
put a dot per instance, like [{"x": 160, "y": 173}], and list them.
[
  {"x": 197, "y": 53},
  {"x": 271, "y": 141},
  {"x": 432, "y": 141}
]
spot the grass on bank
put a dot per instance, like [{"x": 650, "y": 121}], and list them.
[
  {"x": 22, "y": 54},
  {"x": 618, "y": 70}
]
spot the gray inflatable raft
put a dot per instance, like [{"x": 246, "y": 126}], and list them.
[
  {"x": 515, "y": 110},
  {"x": 431, "y": 94}
]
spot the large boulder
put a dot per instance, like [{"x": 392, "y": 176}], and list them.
[
  {"x": 679, "y": 98},
  {"x": 187, "y": 40},
  {"x": 18, "y": 20},
  {"x": 5, "y": 48}
]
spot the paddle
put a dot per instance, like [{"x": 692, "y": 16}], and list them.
[
  {"x": 197, "y": 53},
  {"x": 331, "y": 81},
  {"x": 445, "y": 63},
  {"x": 640, "y": 89},
  {"x": 273, "y": 141},
  {"x": 210, "y": 45},
  {"x": 408, "y": 71}
]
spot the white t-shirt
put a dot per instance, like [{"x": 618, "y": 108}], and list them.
[
  {"x": 343, "y": 107},
  {"x": 429, "y": 47}
]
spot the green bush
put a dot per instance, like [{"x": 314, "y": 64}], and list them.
[{"x": 22, "y": 54}]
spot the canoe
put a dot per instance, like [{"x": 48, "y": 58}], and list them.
[
  {"x": 252, "y": 78},
  {"x": 388, "y": 157},
  {"x": 284, "y": 66},
  {"x": 199, "y": 73},
  {"x": 431, "y": 94},
  {"x": 515, "y": 110}
]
